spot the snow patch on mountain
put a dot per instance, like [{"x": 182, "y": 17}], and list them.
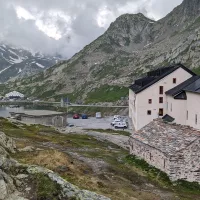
[
  {"x": 39, "y": 65},
  {"x": 15, "y": 62},
  {"x": 5, "y": 69}
]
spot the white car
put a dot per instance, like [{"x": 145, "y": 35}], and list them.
[
  {"x": 115, "y": 121},
  {"x": 120, "y": 125},
  {"x": 116, "y": 117}
]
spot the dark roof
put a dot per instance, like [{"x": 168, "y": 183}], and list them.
[
  {"x": 179, "y": 88},
  {"x": 168, "y": 118},
  {"x": 154, "y": 76},
  {"x": 194, "y": 87},
  {"x": 190, "y": 85}
]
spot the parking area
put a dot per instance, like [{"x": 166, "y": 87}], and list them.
[{"x": 94, "y": 123}]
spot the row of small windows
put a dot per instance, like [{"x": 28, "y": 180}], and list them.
[
  {"x": 160, "y": 112},
  {"x": 160, "y": 100}
]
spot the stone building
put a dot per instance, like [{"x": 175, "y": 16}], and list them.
[
  {"x": 174, "y": 149},
  {"x": 44, "y": 117}
]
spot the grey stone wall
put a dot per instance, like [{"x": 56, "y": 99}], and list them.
[
  {"x": 182, "y": 165},
  {"x": 50, "y": 120},
  {"x": 186, "y": 163}
]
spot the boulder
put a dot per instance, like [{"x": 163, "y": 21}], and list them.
[{"x": 7, "y": 143}]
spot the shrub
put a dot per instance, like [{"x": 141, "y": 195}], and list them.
[{"x": 45, "y": 188}]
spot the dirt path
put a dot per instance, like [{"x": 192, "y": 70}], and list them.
[{"x": 120, "y": 140}]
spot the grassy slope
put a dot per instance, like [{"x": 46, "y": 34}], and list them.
[{"x": 125, "y": 176}]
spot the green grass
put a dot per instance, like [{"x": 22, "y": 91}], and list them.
[
  {"x": 162, "y": 178},
  {"x": 153, "y": 173},
  {"x": 46, "y": 188},
  {"x": 125, "y": 170},
  {"x": 196, "y": 70},
  {"x": 106, "y": 93}
]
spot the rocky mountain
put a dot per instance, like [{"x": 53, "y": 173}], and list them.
[
  {"x": 18, "y": 62},
  {"x": 131, "y": 46}
]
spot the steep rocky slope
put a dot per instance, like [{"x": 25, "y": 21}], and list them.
[
  {"x": 23, "y": 182},
  {"x": 132, "y": 45},
  {"x": 18, "y": 62}
]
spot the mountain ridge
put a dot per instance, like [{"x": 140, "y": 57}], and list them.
[
  {"x": 18, "y": 62},
  {"x": 131, "y": 46}
]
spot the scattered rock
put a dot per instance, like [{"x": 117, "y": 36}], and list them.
[
  {"x": 68, "y": 190},
  {"x": 7, "y": 143},
  {"x": 16, "y": 179},
  {"x": 27, "y": 149}
]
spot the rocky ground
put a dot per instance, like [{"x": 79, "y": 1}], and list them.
[{"x": 71, "y": 164}]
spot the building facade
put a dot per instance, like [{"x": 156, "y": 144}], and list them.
[
  {"x": 184, "y": 103},
  {"x": 171, "y": 144},
  {"x": 147, "y": 96}
]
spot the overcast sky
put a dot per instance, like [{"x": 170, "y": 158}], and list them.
[{"x": 66, "y": 26}]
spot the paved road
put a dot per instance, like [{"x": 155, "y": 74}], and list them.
[{"x": 57, "y": 103}]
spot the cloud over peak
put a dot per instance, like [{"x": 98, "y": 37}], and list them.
[{"x": 66, "y": 26}]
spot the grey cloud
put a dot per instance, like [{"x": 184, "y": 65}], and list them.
[{"x": 84, "y": 27}]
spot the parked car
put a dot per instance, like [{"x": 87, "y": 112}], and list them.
[
  {"x": 76, "y": 116},
  {"x": 120, "y": 125},
  {"x": 115, "y": 121},
  {"x": 84, "y": 116},
  {"x": 116, "y": 117}
]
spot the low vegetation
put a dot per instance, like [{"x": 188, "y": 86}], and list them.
[
  {"x": 110, "y": 131},
  {"x": 45, "y": 188},
  {"x": 94, "y": 165},
  {"x": 197, "y": 70},
  {"x": 162, "y": 178},
  {"x": 107, "y": 93}
]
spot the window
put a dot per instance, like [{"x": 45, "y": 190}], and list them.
[
  {"x": 161, "y": 90},
  {"x": 161, "y": 112},
  {"x": 195, "y": 119},
  {"x": 160, "y": 99},
  {"x": 174, "y": 80},
  {"x": 187, "y": 115},
  {"x": 150, "y": 101},
  {"x": 148, "y": 112}
]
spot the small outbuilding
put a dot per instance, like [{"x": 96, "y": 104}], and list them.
[
  {"x": 44, "y": 117},
  {"x": 174, "y": 149},
  {"x": 14, "y": 95}
]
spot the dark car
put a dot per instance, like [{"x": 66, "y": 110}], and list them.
[
  {"x": 76, "y": 116},
  {"x": 84, "y": 116}
]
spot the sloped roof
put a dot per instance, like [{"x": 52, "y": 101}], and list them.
[
  {"x": 168, "y": 138},
  {"x": 156, "y": 75},
  {"x": 194, "y": 87},
  {"x": 181, "y": 87},
  {"x": 14, "y": 94}
]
